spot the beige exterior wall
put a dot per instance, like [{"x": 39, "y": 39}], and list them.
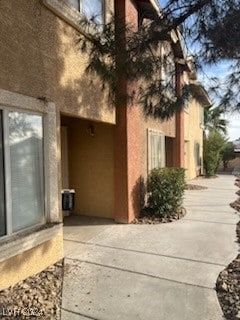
[
  {"x": 31, "y": 252},
  {"x": 30, "y": 262},
  {"x": 90, "y": 159},
  {"x": 39, "y": 58},
  {"x": 193, "y": 135}
]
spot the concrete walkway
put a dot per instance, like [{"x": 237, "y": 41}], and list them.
[{"x": 152, "y": 272}]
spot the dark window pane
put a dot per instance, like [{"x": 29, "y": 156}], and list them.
[{"x": 2, "y": 189}]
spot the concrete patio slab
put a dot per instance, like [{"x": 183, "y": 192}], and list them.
[{"x": 163, "y": 272}]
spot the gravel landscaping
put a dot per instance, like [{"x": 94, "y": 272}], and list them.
[
  {"x": 228, "y": 282},
  {"x": 195, "y": 187},
  {"x": 153, "y": 219},
  {"x": 228, "y": 287},
  {"x": 37, "y": 297}
]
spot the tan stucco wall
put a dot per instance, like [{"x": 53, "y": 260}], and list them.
[
  {"x": 39, "y": 58},
  {"x": 30, "y": 262},
  {"x": 91, "y": 167},
  {"x": 193, "y": 135}
]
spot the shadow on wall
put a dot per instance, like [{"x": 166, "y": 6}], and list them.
[
  {"x": 39, "y": 58},
  {"x": 138, "y": 194}
]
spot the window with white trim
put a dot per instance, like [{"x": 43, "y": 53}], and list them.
[
  {"x": 22, "y": 200},
  {"x": 91, "y": 9},
  {"x": 156, "y": 150}
]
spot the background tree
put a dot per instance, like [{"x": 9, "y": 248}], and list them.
[
  {"x": 213, "y": 120},
  {"x": 212, "y": 146},
  {"x": 227, "y": 154},
  {"x": 210, "y": 26}
]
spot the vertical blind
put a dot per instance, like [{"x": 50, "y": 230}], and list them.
[
  {"x": 26, "y": 169},
  {"x": 156, "y": 150}
]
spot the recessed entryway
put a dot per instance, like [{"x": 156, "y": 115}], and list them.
[{"x": 87, "y": 165}]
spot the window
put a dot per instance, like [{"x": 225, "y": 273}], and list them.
[
  {"x": 21, "y": 174},
  {"x": 156, "y": 150},
  {"x": 168, "y": 71},
  {"x": 91, "y": 9}
]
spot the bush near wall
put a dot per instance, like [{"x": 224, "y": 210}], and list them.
[
  {"x": 212, "y": 146},
  {"x": 165, "y": 189}
]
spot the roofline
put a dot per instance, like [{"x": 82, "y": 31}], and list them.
[{"x": 202, "y": 93}]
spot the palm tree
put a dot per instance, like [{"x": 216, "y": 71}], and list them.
[{"x": 213, "y": 120}]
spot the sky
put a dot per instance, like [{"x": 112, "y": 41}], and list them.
[{"x": 220, "y": 71}]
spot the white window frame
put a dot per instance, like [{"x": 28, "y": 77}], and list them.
[
  {"x": 71, "y": 15},
  {"x": 21, "y": 241},
  {"x": 158, "y": 135},
  {"x": 10, "y": 101},
  {"x": 7, "y": 168}
]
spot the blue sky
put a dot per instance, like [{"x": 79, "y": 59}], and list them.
[{"x": 220, "y": 71}]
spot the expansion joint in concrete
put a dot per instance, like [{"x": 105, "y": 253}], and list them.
[{"x": 140, "y": 273}]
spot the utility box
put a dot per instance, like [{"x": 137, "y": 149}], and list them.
[{"x": 68, "y": 199}]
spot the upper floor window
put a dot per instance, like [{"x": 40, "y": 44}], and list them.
[{"x": 91, "y": 9}]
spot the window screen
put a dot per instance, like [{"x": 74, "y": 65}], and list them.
[
  {"x": 156, "y": 150},
  {"x": 26, "y": 169}
]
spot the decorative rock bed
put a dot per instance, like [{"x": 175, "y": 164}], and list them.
[
  {"x": 153, "y": 219},
  {"x": 195, "y": 187},
  {"x": 37, "y": 297},
  {"x": 228, "y": 282},
  {"x": 235, "y": 205},
  {"x": 228, "y": 287}
]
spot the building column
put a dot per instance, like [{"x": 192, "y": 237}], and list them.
[
  {"x": 178, "y": 141},
  {"x": 127, "y": 136}
]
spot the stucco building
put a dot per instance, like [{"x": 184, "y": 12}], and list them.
[{"x": 57, "y": 130}]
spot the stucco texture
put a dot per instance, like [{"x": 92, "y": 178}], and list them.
[
  {"x": 30, "y": 262},
  {"x": 90, "y": 165},
  {"x": 39, "y": 58},
  {"x": 130, "y": 144},
  {"x": 193, "y": 135}
]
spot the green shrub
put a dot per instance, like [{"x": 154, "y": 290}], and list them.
[
  {"x": 212, "y": 146},
  {"x": 165, "y": 189}
]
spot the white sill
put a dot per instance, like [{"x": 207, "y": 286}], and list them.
[
  {"x": 63, "y": 10},
  {"x": 18, "y": 243}
]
